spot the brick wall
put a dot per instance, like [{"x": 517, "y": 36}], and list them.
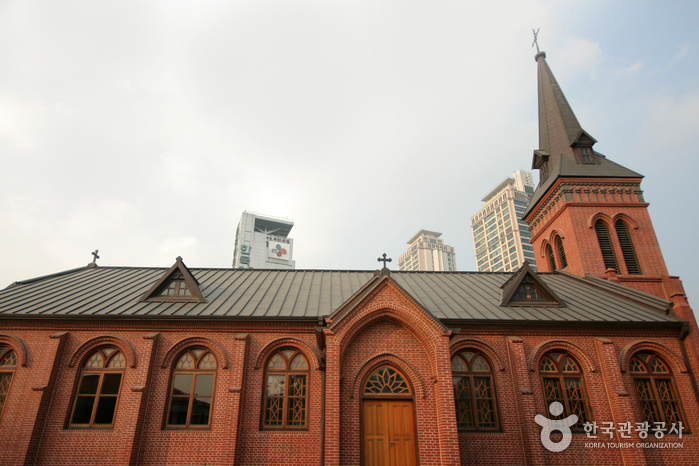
[{"x": 386, "y": 328}]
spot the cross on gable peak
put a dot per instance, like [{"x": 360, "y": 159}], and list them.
[
  {"x": 384, "y": 259},
  {"x": 95, "y": 256}
]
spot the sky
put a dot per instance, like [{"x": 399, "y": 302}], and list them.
[{"x": 145, "y": 129}]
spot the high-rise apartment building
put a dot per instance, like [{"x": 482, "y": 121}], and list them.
[
  {"x": 500, "y": 237},
  {"x": 262, "y": 242},
  {"x": 428, "y": 253}
]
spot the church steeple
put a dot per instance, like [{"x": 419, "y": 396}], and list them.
[
  {"x": 565, "y": 148},
  {"x": 588, "y": 214}
]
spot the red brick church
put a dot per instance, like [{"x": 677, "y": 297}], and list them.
[{"x": 179, "y": 366}]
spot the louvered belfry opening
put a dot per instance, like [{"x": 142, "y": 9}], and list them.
[
  {"x": 561, "y": 252},
  {"x": 627, "y": 249},
  {"x": 551, "y": 258},
  {"x": 605, "y": 244}
]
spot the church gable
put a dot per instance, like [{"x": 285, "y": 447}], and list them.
[
  {"x": 176, "y": 285},
  {"x": 382, "y": 293}
]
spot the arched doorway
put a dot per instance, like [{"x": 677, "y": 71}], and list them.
[{"x": 388, "y": 419}]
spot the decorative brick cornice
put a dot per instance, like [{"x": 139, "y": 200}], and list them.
[
  {"x": 124, "y": 346},
  {"x": 629, "y": 350},
  {"x": 207, "y": 343},
  {"x": 565, "y": 191}
]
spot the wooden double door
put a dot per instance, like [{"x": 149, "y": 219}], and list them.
[{"x": 388, "y": 434}]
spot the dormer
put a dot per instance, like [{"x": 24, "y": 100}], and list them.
[
  {"x": 525, "y": 288},
  {"x": 582, "y": 148},
  {"x": 177, "y": 285},
  {"x": 540, "y": 161}
]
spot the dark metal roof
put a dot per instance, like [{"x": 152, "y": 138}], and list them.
[{"x": 297, "y": 294}]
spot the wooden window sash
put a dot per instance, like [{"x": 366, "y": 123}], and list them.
[
  {"x": 195, "y": 372},
  {"x": 473, "y": 400},
  {"x": 5, "y": 351},
  {"x": 287, "y": 372},
  {"x": 559, "y": 376},
  {"x": 101, "y": 371},
  {"x": 652, "y": 377},
  {"x": 192, "y": 395}
]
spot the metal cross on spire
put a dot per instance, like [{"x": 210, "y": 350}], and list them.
[
  {"x": 384, "y": 260},
  {"x": 536, "y": 40},
  {"x": 94, "y": 260}
]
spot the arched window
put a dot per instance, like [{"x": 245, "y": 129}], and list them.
[
  {"x": 192, "y": 390},
  {"x": 285, "y": 404},
  {"x": 627, "y": 249},
  {"x": 474, "y": 391},
  {"x": 563, "y": 381},
  {"x": 8, "y": 364},
  {"x": 98, "y": 390},
  {"x": 561, "y": 252},
  {"x": 551, "y": 258},
  {"x": 605, "y": 244},
  {"x": 656, "y": 389}
]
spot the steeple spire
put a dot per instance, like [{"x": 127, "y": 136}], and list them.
[
  {"x": 565, "y": 149},
  {"x": 558, "y": 126}
]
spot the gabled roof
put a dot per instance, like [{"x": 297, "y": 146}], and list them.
[
  {"x": 559, "y": 132},
  {"x": 115, "y": 292}
]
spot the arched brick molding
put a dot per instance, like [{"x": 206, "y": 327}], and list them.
[
  {"x": 458, "y": 345},
  {"x": 180, "y": 346},
  {"x": 17, "y": 346},
  {"x": 555, "y": 233},
  {"x": 123, "y": 345},
  {"x": 628, "y": 220},
  {"x": 549, "y": 345},
  {"x": 377, "y": 313},
  {"x": 677, "y": 364},
  {"x": 542, "y": 249},
  {"x": 416, "y": 380},
  {"x": 599, "y": 215},
  {"x": 284, "y": 342}
]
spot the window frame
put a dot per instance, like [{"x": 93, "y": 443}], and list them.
[
  {"x": 652, "y": 376},
  {"x": 471, "y": 374},
  {"x": 287, "y": 372},
  {"x": 5, "y": 351},
  {"x": 192, "y": 395},
  {"x": 587, "y": 155},
  {"x": 560, "y": 375},
  {"x": 102, "y": 371}
]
